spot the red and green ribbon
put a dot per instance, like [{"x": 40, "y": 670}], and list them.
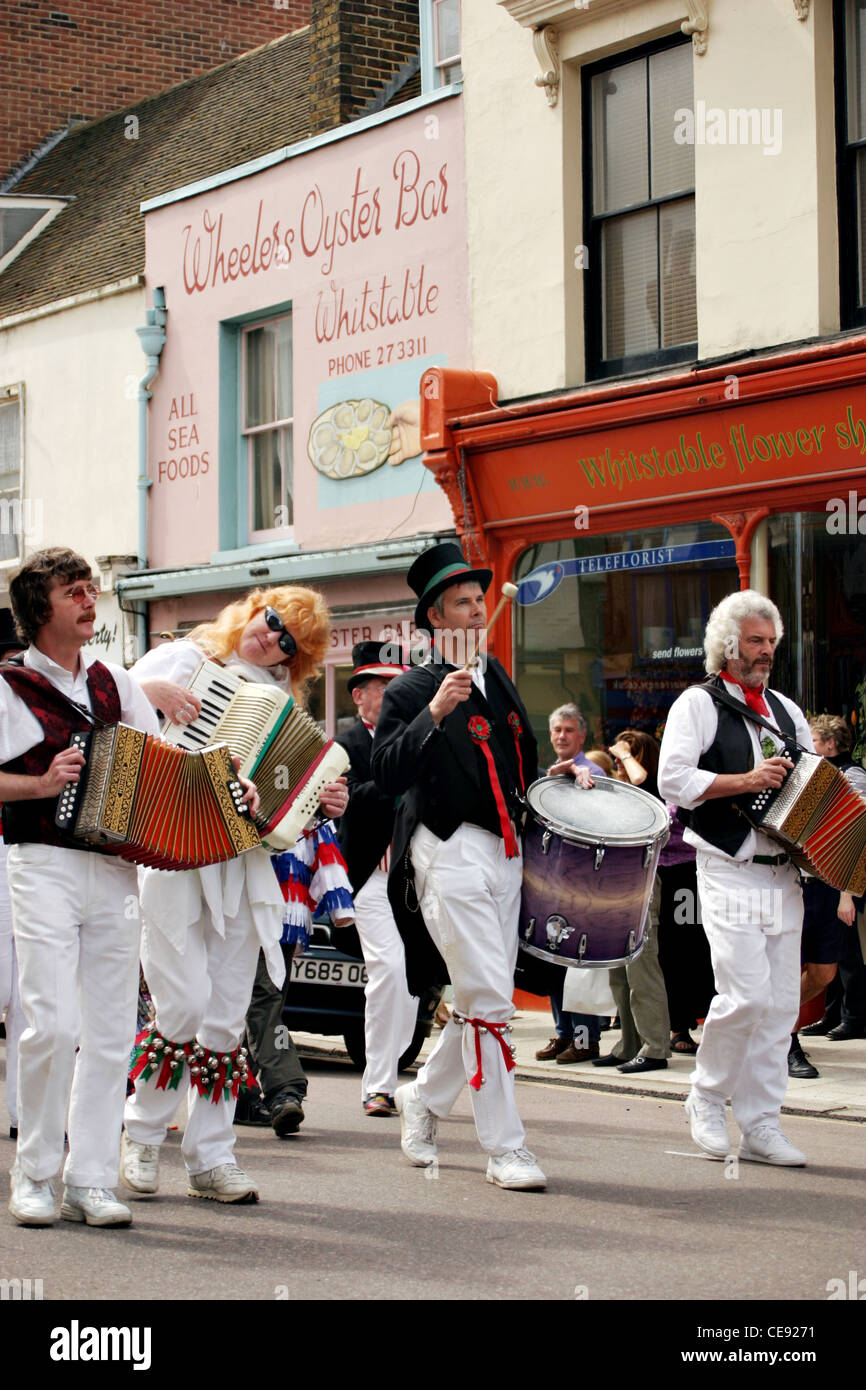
[{"x": 218, "y": 1075}]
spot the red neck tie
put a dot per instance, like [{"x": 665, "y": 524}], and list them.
[{"x": 754, "y": 694}]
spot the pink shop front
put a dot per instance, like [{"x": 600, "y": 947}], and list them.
[{"x": 304, "y": 298}]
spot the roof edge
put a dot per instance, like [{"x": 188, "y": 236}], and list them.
[
  {"x": 313, "y": 142},
  {"x": 73, "y": 301}
]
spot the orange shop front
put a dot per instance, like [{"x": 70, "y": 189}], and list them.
[{"x": 626, "y": 512}]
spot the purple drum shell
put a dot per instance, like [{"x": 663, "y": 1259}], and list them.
[{"x": 606, "y": 905}]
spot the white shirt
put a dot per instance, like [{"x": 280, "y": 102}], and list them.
[
  {"x": 178, "y": 661},
  {"x": 20, "y": 730},
  {"x": 690, "y": 729},
  {"x": 173, "y": 901}
]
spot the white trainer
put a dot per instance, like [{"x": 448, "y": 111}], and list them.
[
  {"x": 139, "y": 1164},
  {"x": 708, "y": 1125},
  {"x": 517, "y": 1170},
  {"x": 31, "y": 1203},
  {"x": 767, "y": 1144},
  {"x": 226, "y": 1183},
  {"x": 418, "y": 1126},
  {"x": 97, "y": 1206}
]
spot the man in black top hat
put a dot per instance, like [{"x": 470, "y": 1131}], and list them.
[
  {"x": 453, "y": 741},
  {"x": 364, "y": 832}
]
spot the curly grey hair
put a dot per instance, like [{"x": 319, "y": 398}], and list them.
[
  {"x": 570, "y": 712},
  {"x": 723, "y": 627}
]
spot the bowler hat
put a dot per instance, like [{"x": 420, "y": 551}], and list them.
[
  {"x": 367, "y": 661},
  {"x": 437, "y": 569}
]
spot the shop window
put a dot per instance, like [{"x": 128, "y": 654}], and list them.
[
  {"x": 640, "y": 225},
  {"x": 266, "y": 388},
  {"x": 622, "y": 634},
  {"x": 850, "y": 26},
  {"x": 817, "y": 565},
  {"x": 440, "y": 43},
  {"x": 13, "y": 513}
]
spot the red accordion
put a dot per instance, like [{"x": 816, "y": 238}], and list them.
[
  {"x": 148, "y": 801},
  {"x": 819, "y": 818}
]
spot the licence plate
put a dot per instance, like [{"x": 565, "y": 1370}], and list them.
[{"x": 329, "y": 972}]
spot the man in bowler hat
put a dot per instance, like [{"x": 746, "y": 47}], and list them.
[
  {"x": 364, "y": 832},
  {"x": 456, "y": 746}
]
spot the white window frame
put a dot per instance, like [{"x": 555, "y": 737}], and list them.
[
  {"x": 248, "y": 433},
  {"x": 433, "y": 67},
  {"x": 12, "y": 499},
  {"x": 50, "y": 206}
]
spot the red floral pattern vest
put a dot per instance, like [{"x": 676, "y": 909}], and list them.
[{"x": 32, "y": 822}]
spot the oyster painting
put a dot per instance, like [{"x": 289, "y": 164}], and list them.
[{"x": 350, "y": 439}]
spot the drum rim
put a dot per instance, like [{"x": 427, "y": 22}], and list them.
[
  {"x": 577, "y": 837},
  {"x": 583, "y": 964}
]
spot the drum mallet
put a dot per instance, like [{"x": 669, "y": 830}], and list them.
[{"x": 509, "y": 592}]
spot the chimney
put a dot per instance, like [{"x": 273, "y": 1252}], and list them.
[{"x": 356, "y": 47}]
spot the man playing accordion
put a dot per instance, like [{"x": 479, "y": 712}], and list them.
[
  {"x": 750, "y": 896},
  {"x": 75, "y": 909}
]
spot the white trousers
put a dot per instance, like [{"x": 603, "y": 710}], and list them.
[
  {"x": 203, "y": 992},
  {"x": 391, "y": 1010},
  {"x": 10, "y": 999},
  {"x": 470, "y": 900},
  {"x": 76, "y": 936},
  {"x": 753, "y": 916}
]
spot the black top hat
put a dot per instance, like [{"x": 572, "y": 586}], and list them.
[
  {"x": 9, "y": 639},
  {"x": 437, "y": 569},
  {"x": 373, "y": 659}
]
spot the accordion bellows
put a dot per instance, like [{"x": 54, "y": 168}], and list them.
[
  {"x": 156, "y": 804},
  {"x": 819, "y": 817},
  {"x": 280, "y": 747}
]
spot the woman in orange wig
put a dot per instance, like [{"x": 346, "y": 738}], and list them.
[{"x": 202, "y": 929}]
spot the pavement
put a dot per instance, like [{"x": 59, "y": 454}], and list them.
[{"x": 839, "y": 1092}]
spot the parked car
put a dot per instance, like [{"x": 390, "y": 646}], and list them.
[{"x": 326, "y": 995}]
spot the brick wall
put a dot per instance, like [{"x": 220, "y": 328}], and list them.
[
  {"x": 79, "y": 59},
  {"x": 355, "y": 47}
]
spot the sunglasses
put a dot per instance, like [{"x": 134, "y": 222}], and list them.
[
  {"x": 84, "y": 592},
  {"x": 287, "y": 642}
]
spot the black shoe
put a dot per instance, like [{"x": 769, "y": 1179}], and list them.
[
  {"x": 251, "y": 1109},
  {"x": 798, "y": 1063},
  {"x": 843, "y": 1031},
  {"x": 643, "y": 1064},
  {"x": 13, "y": 1131},
  {"x": 819, "y": 1029},
  {"x": 609, "y": 1061},
  {"x": 287, "y": 1115}
]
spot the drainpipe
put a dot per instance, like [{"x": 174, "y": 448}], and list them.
[{"x": 152, "y": 339}]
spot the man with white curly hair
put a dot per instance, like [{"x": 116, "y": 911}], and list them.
[{"x": 750, "y": 897}]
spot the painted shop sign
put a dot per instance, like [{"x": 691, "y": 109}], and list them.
[
  {"x": 717, "y": 452},
  {"x": 363, "y": 243}
]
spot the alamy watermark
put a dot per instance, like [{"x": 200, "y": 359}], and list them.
[{"x": 713, "y": 125}]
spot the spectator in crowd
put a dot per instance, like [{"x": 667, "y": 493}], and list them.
[
  {"x": 576, "y": 1037},
  {"x": 684, "y": 952},
  {"x": 639, "y": 987},
  {"x": 830, "y": 938}
]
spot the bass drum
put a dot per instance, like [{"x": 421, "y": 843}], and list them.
[{"x": 589, "y": 861}]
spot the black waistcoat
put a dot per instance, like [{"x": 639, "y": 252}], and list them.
[
  {"x": 719, "y": 821},
  {"x": 32, "y": 822}
]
